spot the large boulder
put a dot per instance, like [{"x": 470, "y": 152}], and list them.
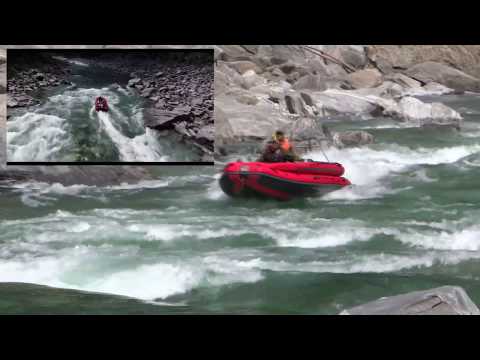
[
  {"x": 162, "y": 120},
  {"x": 338, "y": 102},
  {"x": 237, "y": 122},
  {"x": 306, "y": 133},
  {"x": 412, "y": 109},
  {"x": 352, "y": 138},
  {"x": 445, "y": 300},
  {"x": 435, "y": 72},
  {"x": 366, "y": 78}
]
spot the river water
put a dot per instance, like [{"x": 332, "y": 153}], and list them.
[
  {"x": 178, "y": 245},
  {"x": 66, "y": 127}
]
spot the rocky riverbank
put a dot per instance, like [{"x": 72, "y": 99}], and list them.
[
  {"x": 262, "y": 88},
  {"x": 30, "y": 73}
]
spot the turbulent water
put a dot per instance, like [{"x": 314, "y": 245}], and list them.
[
  {"x": 66, "y": 127},
  {"x": 178, "y": 245}
]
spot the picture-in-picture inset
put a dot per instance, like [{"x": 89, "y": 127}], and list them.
[{"x": 116, "y": 105}]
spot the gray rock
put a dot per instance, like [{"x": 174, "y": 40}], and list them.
[
  {"x": 335, "y": 102},
  {"x": 310, "y": 82},
  {"x": 243, "y": 66},
  {"x": 403, "y": 80},
  {"x": 134, "y": 82},
  {"x": 39, "y": 76},
  {"x": 435, "y": 72},
  {"x": 412, "y": 109},
  {"x": 366, "y": 78},
  {"x": 445, "y": 300},
  {"x": 306, "y": 133},
  {"x": 147, "y": 92},
  {"x": 164, "y": 120},
  {"x": 352, "y": 138},
  {"x": 206, "y": 134}
]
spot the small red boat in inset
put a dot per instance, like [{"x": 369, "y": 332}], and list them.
[
  {"x": 282, "y": 181},
  {"x": 101, "y": 104}
]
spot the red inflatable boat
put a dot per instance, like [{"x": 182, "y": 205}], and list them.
[
  {"x": 101, "y": 104},
  {"x": 282, "y": 181}
]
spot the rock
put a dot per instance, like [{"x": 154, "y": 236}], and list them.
[
  {"x": 134, "y": 82},
  {"x": 277, "y": 61},
  {"x": 412, "y": 109},
  {"x": 12, "y": 103},
  {"x": 445, "y": 300},
  {"x": 251, "y": 79},
  {"x": 352, "y": 138},
  {"x": 164, "y": 120},
  {"x": 247, "y": 99},
  {"x": 434, "y": 88},
  {"x": 352, "y": 55},
  {"x": 310, "y": 82},
  {"x": 344, "y": 102},
  {"x": 147, "y": 92},
  {"x": 306, "y": 133},
  {"x": 367, "y": 78},
  {"x": 243, "y": 66},
  {"x": 403, "y": 80},
  {"x": 160, "y": 104},
  {"x": 223, "y": 129},
  {"x": 435, "y": 72},
  {"x": 206, "y": 135},
  {"x": 39, "y": 76},
  {"x": 197, "y": 102},
  {"x": 238, "y": 122},
  {"x": 159, "y": 74}
]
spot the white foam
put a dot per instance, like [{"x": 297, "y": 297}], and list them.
[
  {"x": 467, "y": 238},
  {"x": 144, "y": 147},
  {"x": 367, "y": 167},
  {"x": 36, "y": 137}
]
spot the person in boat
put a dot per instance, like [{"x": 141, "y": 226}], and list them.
[
  {"x": 279, "y": 149},
  {"x": 101, "y": 103}
]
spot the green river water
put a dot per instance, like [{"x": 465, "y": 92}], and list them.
[{"x": 178, "y": 245}]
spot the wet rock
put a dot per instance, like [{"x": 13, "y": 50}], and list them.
[
  {"x": 164, "y": 120},
  {"x": 445, "y": 300},
  {"x": 206, "y": 136},
  {"x": 352, "y": 138},
  {"x": 412, "y": 109},
  {"x": 367, "y": 78},
  {"x": 435, "y": 72},
  {"x": 134, "y": 82}
]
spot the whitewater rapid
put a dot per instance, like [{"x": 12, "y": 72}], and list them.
[{"x": 66, "y": 123}]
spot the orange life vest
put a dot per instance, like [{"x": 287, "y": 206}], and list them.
[{"x": 285, "y": 145}]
